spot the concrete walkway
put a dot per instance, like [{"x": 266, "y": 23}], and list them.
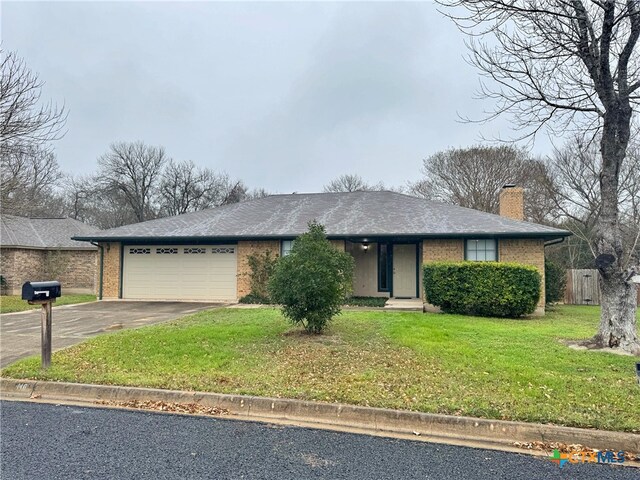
[
  {"x": 407, "y": 304},
  {"x": 20, "y": 332}
]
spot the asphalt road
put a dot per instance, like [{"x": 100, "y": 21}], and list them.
[
  {"x": 64, "y": 442},
  {"x": 71, "y": 324}
]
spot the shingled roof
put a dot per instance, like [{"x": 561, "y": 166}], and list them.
[
  {"x": 44, "y": 233},
  {"x": 356, "y": 214}
]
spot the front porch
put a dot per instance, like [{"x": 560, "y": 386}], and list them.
[{"x": 387, "y": 268}]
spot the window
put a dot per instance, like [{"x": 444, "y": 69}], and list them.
[
  {"x": 286, "y": 247},
  {"x": 481, "y": 250},
  {"x": 194, "y": 250},
  {"x": 139, "y": 251},
  {"x": 223, "y": 250},
  {"x": 383, "y": 267}
]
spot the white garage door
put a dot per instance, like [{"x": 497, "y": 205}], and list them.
[{"x": 180, "y": 272}]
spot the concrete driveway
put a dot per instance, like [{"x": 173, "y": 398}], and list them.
[{"x": 20, "y": 332}]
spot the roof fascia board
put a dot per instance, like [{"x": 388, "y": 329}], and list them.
[
  {"x": 222, "y": 239},
  {"x": 30, "y": 247}
]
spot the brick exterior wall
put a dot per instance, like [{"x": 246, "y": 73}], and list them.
[
  {"x": 111, "y": 270},
  {"x": 245, "y": 249},
  {"x": 512, "y": 203},
  {"x": 443, "y": 250},
  {"x": 76, "y": 270},
  {"x": 19, "y": 265},
  {"x": 528, "y": 251},
  {"x": 340, "y": 245},
  {"x": 81, "y": 273}
]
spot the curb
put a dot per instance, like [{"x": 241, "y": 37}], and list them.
[{"x": 499, "y": 433}]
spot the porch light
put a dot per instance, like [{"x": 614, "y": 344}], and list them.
[{"x": 365, "y": 247}]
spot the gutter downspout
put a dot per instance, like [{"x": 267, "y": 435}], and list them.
[
  {"x": 101, "y": 267},
  {"x": 554, "y": 242}
]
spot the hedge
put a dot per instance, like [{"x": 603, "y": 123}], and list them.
[
  {"x": 555, "y": 282},
  {"x": 488, "y": 289}
]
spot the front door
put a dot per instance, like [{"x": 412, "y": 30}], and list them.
[{"x": 404, "y": 270}]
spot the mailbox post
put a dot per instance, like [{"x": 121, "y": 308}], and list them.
[
  {"x": 43, "y": 294},
  {"x": 45, "y": 333}
]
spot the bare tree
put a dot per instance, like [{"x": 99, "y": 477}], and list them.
[
  {"x": 134, "y": 169},
  {"x": 24, "y": 121},
  {"x": 135, "y": 178},
  {"x": 30, "y": 172},
  {"x": 257, "y": 193},
  {"x": 576, "y": 171},
  {"x": 90, "y": 200},
  {"x": 77, "y": 192},
  {"x": 187, "y": 188},
  {"x": 109, "y": 208},
  {"x": 576, "y": 189},
  {"x": 234, "y": 192},
  {"x": 217, "y": 189},
  {"x": 30, "y": 176},
  {"x": 472, "y": 177},
  {"x": 351, "y": 183},
  {"x": 570, "y": 65}
]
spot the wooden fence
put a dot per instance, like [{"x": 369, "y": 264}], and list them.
[{"x": 583, "y": 288}]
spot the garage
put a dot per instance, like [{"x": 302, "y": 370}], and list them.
[{"x": 180, "y": 272}]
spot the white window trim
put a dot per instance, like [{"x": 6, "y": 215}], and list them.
[
  {"x": 285, "y": 251},
  {"x": 484, "y": 250}
]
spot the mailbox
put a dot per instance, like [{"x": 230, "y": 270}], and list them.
[{"x": 41, "y": 291}]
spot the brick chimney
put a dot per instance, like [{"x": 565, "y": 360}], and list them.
[{"x": 512, "y": 202}]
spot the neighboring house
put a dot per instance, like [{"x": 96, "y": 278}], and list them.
[
  {"x": 36, "y": 249},
  {"x": 203, "y": 255}
]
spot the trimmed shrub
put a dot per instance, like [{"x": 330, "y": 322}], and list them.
[
  {"x": 489, "y": 289},
  {"x": 254, "y": 299},
  {"x": 262, "y": 266},
  {"x": 312, "y": 282},
  {"x": 555, "y": 281},
  {"x": 366, "y": 301}
]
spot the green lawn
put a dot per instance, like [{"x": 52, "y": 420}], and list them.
[
  {"x": 493, "y": 368},
  {"x": 13, "y": 303}
]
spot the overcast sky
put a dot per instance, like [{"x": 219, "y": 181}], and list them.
[{"x": 285, "y": 96}]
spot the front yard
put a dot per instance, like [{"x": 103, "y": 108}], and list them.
[
  {"x": 14, "y": 303},
  {"x": 492, "y": 368}
]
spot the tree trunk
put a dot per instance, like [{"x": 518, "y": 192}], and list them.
[
  {"x": 618, "y": 297},
  {"x": 618, "y": 327}
]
